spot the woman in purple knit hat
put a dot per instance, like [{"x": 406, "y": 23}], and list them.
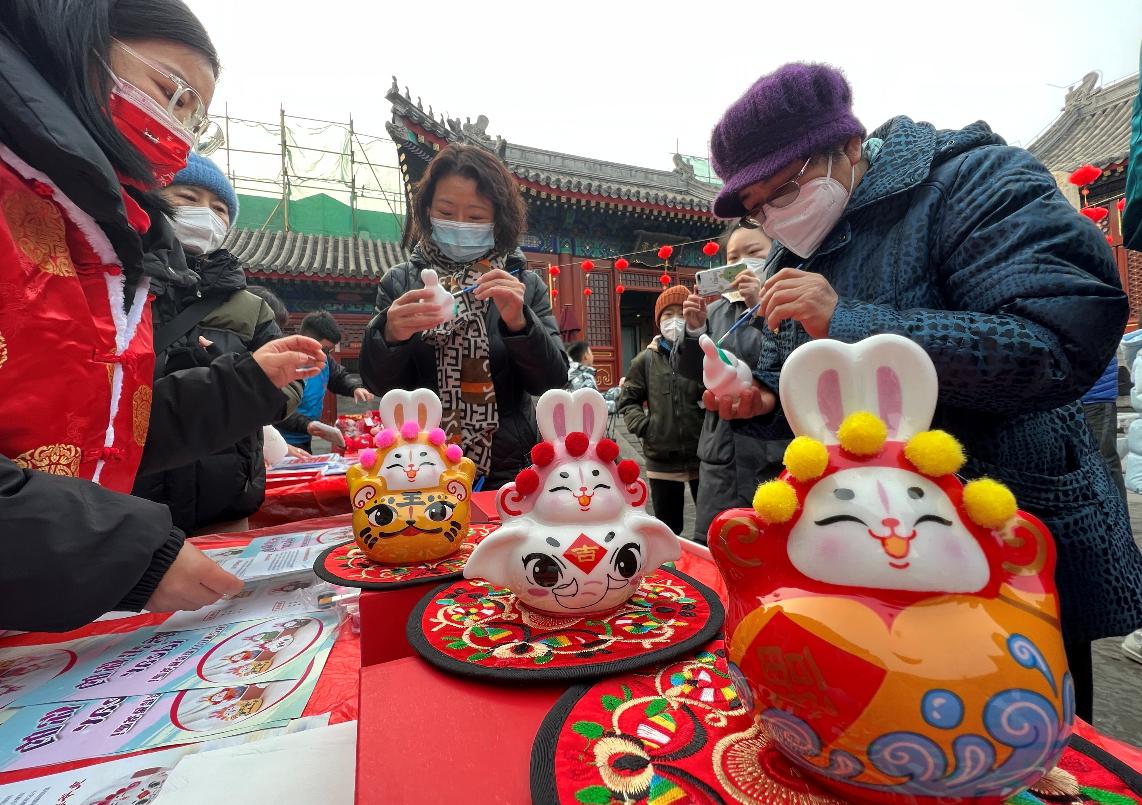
[{"x": 966, "y": 246}]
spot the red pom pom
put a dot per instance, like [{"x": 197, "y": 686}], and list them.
[
  {"x": 1121, "y": 205},
  {"x": 620, "y": 288},
  {"x": 587, "y": 265},
  {"x": 1096, "y": 214},
  {"x": 543, "y": 454},
  {"x": 1084, "y": 175},
  {"x": 577, "y": 443},
  {"x": 553, "y": 271},
  {"x": 628, "y": 471},
  {"x": 622, "y": 263},
  {"x": 665, "y": 252},
  {"x": 586, "y": 292},
  {"x": 527, "y": 481},
  {"x": 664, "y": 279},
  {"x": 710, "y": 249},
  {"x": 607, "y": 450}
]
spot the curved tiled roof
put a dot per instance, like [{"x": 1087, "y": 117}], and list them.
[
  {"x": 1094, "y": 126},
  {"x": 562, "y": 173},
  {"x": 298, "y": 254}
]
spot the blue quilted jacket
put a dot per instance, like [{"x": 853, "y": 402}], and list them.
[{"x": 966, "y": 246}]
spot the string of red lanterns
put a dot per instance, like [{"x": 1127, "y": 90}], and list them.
[{"x": 710, "y": 248}]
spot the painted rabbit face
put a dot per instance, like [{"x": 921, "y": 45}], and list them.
[
  {"x": 886, "y": 528},
  {"x": 411, "y": 501},
  {"x": 582, "y": 491},
  {"x": 574, "y": 538},
  {"x": 412, "y": 466}
]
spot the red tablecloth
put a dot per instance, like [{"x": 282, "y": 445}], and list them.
[{"x": 337, "y": 688}]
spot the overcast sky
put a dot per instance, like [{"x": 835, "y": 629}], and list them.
[{"x": 623, "y": 80}]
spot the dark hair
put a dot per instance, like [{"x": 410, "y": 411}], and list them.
[
  {"x": 321, "y": 325},
  {"x": 577, "y": 350},
  {"x": 281, "y": 315},
  {"x": 493, "y": 181},
  {"x": 734, "y": 226},
  {"x": 69, "y": 43}
]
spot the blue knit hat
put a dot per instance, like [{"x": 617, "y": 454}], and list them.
[{"x": 201, "y": 172}]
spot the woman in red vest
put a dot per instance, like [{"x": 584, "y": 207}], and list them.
[{"x": 100, "y": 103}]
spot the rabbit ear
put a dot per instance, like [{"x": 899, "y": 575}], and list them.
[
  {"x": 824, "y": 381},
  {"x": 553, "y": 413},
  {"x": 425, "y": 408},
  {"x": 392, "y": 408},
  {"x": 590, "y": 411}
]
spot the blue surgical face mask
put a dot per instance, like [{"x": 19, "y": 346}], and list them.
[{"x": 463, "y": 242}]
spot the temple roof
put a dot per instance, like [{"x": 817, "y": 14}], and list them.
[
  {"x": 550, "y": 171},
  {"x": 313, "y": 256},
  {"x": 1094, "y": 126}
]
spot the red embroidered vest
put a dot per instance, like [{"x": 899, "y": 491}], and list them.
[{"x": 75, "y": 368}]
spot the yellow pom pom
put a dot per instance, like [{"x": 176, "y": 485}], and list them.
[
  {"x": 806, "y": 458},
  {"x": 935, "y": 453},
  {"x": 989, "y": 503},
  {"x": 775, "y": 501},
  {"x": 862, "y": 434}
]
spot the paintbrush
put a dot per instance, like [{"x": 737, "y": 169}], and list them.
[{"x": 475, "y": 285}]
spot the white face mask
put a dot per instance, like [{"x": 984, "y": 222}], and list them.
[
  {"x": 802, "y": 226},
  {"x": 463, "y": 241},
  {"x": 754, "y": 264},
  {"x": 199, "y": 229},
  {"x": 672, "y": 329}
]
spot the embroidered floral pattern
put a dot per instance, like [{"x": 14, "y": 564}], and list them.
[
  {"x": 55, "y": 459},
  {"x": 141, "y": 414},
  {"x": 3, "y": 351},
  {"x": 38, "y": 229}
]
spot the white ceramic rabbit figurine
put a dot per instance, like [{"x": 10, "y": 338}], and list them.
[
  {"x": 444, "y": 300},
  {"x": 575, "y": 537},
  {"x": 723, "y": 372}
]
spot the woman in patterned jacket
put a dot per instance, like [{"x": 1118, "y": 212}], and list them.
[
  {"x": 966, "y": 246},
  {"x": 501, "y": 347}
]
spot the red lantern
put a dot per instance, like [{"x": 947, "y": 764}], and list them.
[
  {"x": 553, "y": 271},
  {"x": 619, "y": 289},
  {"x": 1096, "y": 214},
  {"x": 587, "y": 266},
  {"x": 665, "y": 252},
  {"x": 1084, "y": 175},
  {"x": 664, "y": 279},
  {"x": 1121, "y": 205},
  {"x": 710, "y": 249},
  {"x": 554, "y": 293},
  {"x": 1110, "y": 240},
  {"x": 586, "y": 292},
  {"x": 622, "y": 263}
]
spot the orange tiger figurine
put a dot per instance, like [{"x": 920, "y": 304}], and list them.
[
  {"x": 411, "y": 495},
  {"x": 898, "y": 629}
]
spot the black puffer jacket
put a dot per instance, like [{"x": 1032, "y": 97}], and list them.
[
  {"x": 523, "y": 364},
  {"x": 231, "y": 483},
  {"x": 733, "y": 460},
  {"x": 661, "y": 407}
]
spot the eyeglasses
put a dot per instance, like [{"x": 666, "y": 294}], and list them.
[
  {"x": 186, "y": 106},
  {"x": 783, "y": 196}
]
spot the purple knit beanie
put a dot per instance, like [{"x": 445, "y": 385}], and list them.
[{"x": 795, "y": 111}]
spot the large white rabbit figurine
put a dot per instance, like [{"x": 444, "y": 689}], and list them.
[
  {"x": 575, "y": 537},
  {"x": 444, "y": 300},
  {"x": 723, "y": 372}
]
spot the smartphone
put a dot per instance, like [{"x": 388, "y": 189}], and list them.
[{"x": 715, "y": 281}]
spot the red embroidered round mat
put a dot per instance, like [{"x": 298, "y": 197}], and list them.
[
  {"x": 348, "y": 566},
  {"x": 678, "y": 734},
  {"x": 681, "y": 735},
  {"x": 475, "y": 628}
]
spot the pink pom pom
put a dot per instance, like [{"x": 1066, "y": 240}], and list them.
[
  {"x": 368, "y": 458},
  {"x": 385, "y": 438},
  {"x": 436, "y": 436},
  {"x": 410, "y": 430},
  {"x": 454, "y": 453}
]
